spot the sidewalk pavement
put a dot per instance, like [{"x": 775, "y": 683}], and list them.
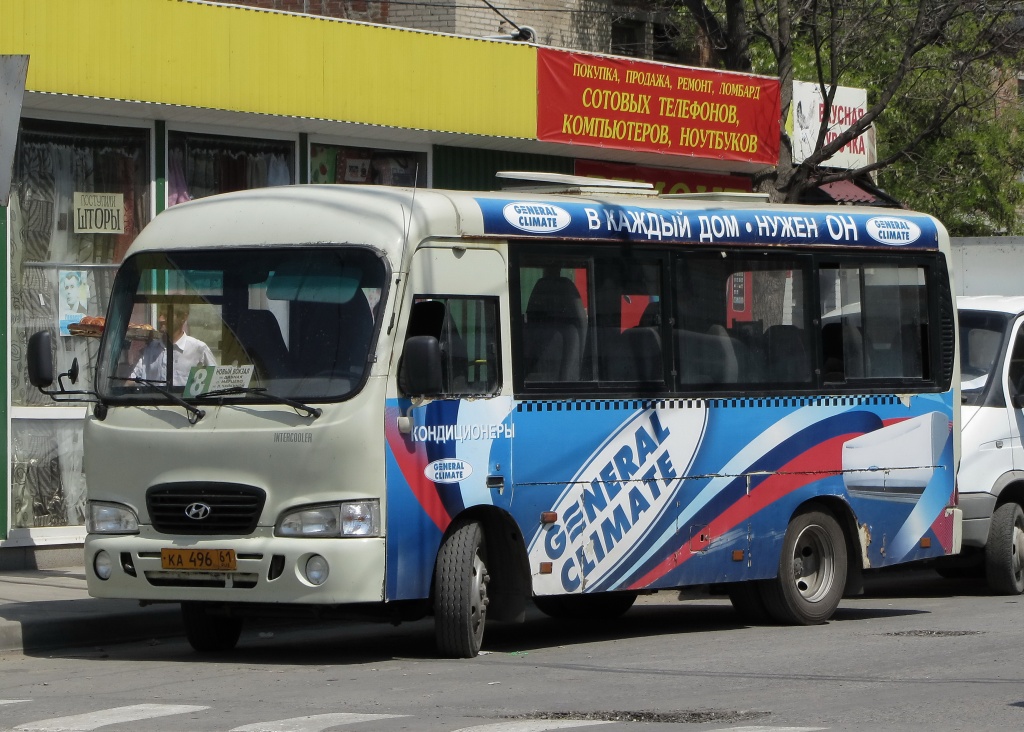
[{"x": 51, "y": 608}]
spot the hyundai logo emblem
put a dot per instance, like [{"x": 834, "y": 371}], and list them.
[{"x": 197, "y": 511}]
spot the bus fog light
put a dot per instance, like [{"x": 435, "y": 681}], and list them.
[
  {"x": 317, "y": 569},
  {"x": 102, "y": 565}
]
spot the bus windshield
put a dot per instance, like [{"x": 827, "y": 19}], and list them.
[
  {"x": 981, "y": 334},
  {"x": 293, "y": 322}
]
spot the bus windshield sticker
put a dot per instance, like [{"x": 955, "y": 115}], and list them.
[{"x": 204, "y": 379}]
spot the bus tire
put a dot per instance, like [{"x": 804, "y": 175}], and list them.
[
  {"x": 207, "y": 632},
  {"x": 599, "y": 606},
  {"x": 748, "y": 602},
  {"x": 460, "y": 592},
  {"x": 1004, "y": 551},
  {"x": 812, "y": 571}
]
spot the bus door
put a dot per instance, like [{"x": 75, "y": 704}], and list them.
[{"x": 450, "y": 452}]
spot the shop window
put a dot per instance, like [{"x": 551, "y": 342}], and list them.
[
  {"x": 337, "y": 164},
  {"x": 203, "y": 165},
  {"x": 79, "y": 197}
]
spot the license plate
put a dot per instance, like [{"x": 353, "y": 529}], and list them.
[{"x": 212, "y": 560}]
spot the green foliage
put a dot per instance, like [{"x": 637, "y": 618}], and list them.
[
  {"x": 949, "y": 125},
  {"x": 969, "y": 176}
]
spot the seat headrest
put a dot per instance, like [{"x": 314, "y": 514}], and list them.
[{"x": 555, "y": 298}]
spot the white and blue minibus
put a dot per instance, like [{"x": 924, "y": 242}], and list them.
[{"x": 569, "y": 393}]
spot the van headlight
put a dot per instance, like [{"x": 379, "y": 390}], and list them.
[
  {"x": 348, "y": 518},
  {"x": 111, "y": 518}
]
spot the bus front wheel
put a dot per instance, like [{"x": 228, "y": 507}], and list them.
[
  {"x": 812, "y": 571},
  {"x": 460, "y": 592},
  {"x": 208, "y": 632}
]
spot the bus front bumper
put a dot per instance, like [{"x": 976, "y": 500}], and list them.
[{"x": 267, "y": 569}]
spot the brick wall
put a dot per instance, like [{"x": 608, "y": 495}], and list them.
[
  {"x": 576, "y": 24},
  {"x": 365, "y": 10}
]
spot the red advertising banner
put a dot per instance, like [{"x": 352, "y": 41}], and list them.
[
  {"x": 664, "y": 179},
  {"x": 631, "y": 104}
]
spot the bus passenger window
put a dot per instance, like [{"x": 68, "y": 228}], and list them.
[
  {"x": 554, "y": 327},
  {"x": 741, "y": 320},
  {"x": 874, "y": 322}
]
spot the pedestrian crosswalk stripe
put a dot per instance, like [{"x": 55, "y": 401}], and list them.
[
  {"x": 532, "y": 725},
  {"x": 117, "y": 715},
  {"x": 313, "y": 722},
  {"x": 12, "y": 701}
]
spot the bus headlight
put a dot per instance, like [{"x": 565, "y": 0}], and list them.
[
  {"x": 111, "y": 518},
  {"x": 348, "y": 518}
]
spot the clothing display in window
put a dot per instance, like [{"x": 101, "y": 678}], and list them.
[{"x": 204, "y": 165}]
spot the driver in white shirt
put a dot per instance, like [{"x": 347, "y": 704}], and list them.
[{"x": 188, "y": 351}]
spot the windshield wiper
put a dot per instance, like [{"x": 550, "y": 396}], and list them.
[
  {"x": 194, "y": 413},
  {"x": 313, "y": 412}
]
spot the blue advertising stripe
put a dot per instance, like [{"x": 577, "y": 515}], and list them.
[
  {"x": 800, "y": 442},
  {"x": 603, "y": 221}
]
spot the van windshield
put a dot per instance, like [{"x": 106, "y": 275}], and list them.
[
  {"x": 295, "y": 322},
  {"x": 981, "y": 335}
]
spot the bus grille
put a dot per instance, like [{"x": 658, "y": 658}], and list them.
[{"x": 205, "y": 508}]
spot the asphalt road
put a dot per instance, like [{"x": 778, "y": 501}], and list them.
[{"x": 916, "y": 652}]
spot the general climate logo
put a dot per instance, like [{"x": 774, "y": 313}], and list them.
[
  {"x": 450, "y": 470},
  {"x": 886, "y": 230},
  {"x": 615, "y": 500},
  {"x": 536, "y": 217}
]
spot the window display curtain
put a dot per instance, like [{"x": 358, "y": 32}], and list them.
[
  {"x": 200, "y": 166},
  {"x": 53, "y": 162}
]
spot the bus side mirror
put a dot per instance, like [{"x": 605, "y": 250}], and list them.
[
  {"x": 1018, "y": 400},
  {"x": 421, "y": 366},
  {"x": 40, "y": 360}
]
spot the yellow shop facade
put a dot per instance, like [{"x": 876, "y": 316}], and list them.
[{"x": 132, "y": 106}]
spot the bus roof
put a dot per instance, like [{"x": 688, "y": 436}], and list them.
[{"x": 379, "y": 216}]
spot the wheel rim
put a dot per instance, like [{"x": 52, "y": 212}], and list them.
[
  {"x": 1017, "y": 553},
  {"x": 814, "y": 563},
  {"x": 478, "y": 597}
]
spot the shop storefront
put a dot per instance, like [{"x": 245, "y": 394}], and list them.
[{"x": 106, "y": 145}]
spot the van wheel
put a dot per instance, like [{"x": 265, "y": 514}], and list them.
[
  {"x": 1004, "y": 552},
  {"x": 812, "y": 571},
  {"x": 599, "y": 606},
  {"x": 207, "y": 632},
  {"x": 460, "y": 593}
]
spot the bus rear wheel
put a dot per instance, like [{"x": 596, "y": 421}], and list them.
[
  {"x": 600, "y": 606},
  {"x": 1004, "y": 551},
  {"x": 460, "y": 592},
  {"x": 208, "y": 632},
  {"x": 812, "y": 571}
]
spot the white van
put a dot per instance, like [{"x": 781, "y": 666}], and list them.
[{"x": 991, "y": 475}]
